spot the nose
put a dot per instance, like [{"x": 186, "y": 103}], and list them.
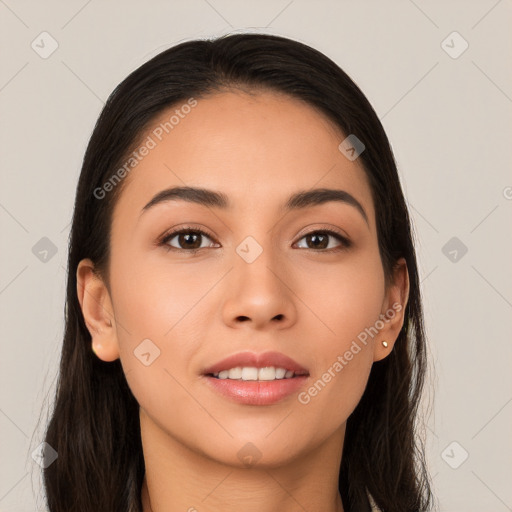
[{"x": 260, "y": 294}]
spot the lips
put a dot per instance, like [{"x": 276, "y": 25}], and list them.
[{"x": 263, "y": 360}]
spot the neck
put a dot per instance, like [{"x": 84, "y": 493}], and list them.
[{"x": 180, "y": 479}]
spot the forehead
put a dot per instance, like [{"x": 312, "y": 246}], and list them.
[{"x": 258, "y": 149}]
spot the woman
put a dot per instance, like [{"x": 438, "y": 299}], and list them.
[{"x": 244, "y": 326}]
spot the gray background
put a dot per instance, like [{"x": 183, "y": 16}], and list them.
[{"x": 447, "y": 114}]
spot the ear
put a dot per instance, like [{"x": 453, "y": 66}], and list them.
[
  {"x": 97, "y": 310},
  {"x": 393, "y": 310}
]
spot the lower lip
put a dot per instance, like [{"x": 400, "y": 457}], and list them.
[{"x": 251, "y": 392}]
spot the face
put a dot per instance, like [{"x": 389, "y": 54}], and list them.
[{"x": 261, "y": 278}]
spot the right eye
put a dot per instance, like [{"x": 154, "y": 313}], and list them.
[{"x": 188, "y": 238}]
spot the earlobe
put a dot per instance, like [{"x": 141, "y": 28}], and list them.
[
  {"x": 97, "y": 311},
  {"x": 107, "y": 353}
]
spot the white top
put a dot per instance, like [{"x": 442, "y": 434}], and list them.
[{"x": 372, "y": 503}]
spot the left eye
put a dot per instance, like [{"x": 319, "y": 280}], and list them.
[
  {"x": 190, "y": 240},
  {"x": 320, "y": 238}
]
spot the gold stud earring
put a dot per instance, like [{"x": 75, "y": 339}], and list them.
[{"x": 385, "y": 343}]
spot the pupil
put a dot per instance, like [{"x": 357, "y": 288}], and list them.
[
  {"x": 316, "y": 237},
  {"x": 187, "y": 236}
]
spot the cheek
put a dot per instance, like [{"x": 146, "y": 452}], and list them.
[
  {"x": 159, "y": 314},
  {"x": 346, "y": 298},
  {"x": 156, "y": 299},
  {"x": 334, "y": 393},
  {"x": 345, "y": 311},
  {"x": 343, "y": 362}
]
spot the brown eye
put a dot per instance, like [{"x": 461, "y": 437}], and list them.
[
  {"x": 191, "y": 240},
  {"x": 319, "y": 240},
  {"x": 186, "y": 239}
]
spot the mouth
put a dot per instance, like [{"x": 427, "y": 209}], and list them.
[
  {"x": 252, "y": 366},
  {"x": 256, "y": 379},
  {"x": 252, "y": 373}
]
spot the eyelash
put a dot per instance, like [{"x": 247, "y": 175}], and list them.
[{"x": 346, "y": 243}]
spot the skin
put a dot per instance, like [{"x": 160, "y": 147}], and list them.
[{"x": 200, "y": 308}]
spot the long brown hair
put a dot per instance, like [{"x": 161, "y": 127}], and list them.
[{"x": 94, "y": 426}]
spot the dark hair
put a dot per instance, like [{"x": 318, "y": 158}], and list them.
[{"x": 94, "y": 426}]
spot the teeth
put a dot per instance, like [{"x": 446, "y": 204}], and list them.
[
  {"x": 249, "y": 373},
  {"x": 235, "y": 373},
  {"x": 267, "y": 373},
  {"x": 252, "y": 373},
  {"x": 280, "y": 373}
]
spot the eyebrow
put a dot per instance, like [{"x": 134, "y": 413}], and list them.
[{"x": 298, "y": 200}]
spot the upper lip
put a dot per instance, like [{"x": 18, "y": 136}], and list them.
[{"x": 250, "y": 359}]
